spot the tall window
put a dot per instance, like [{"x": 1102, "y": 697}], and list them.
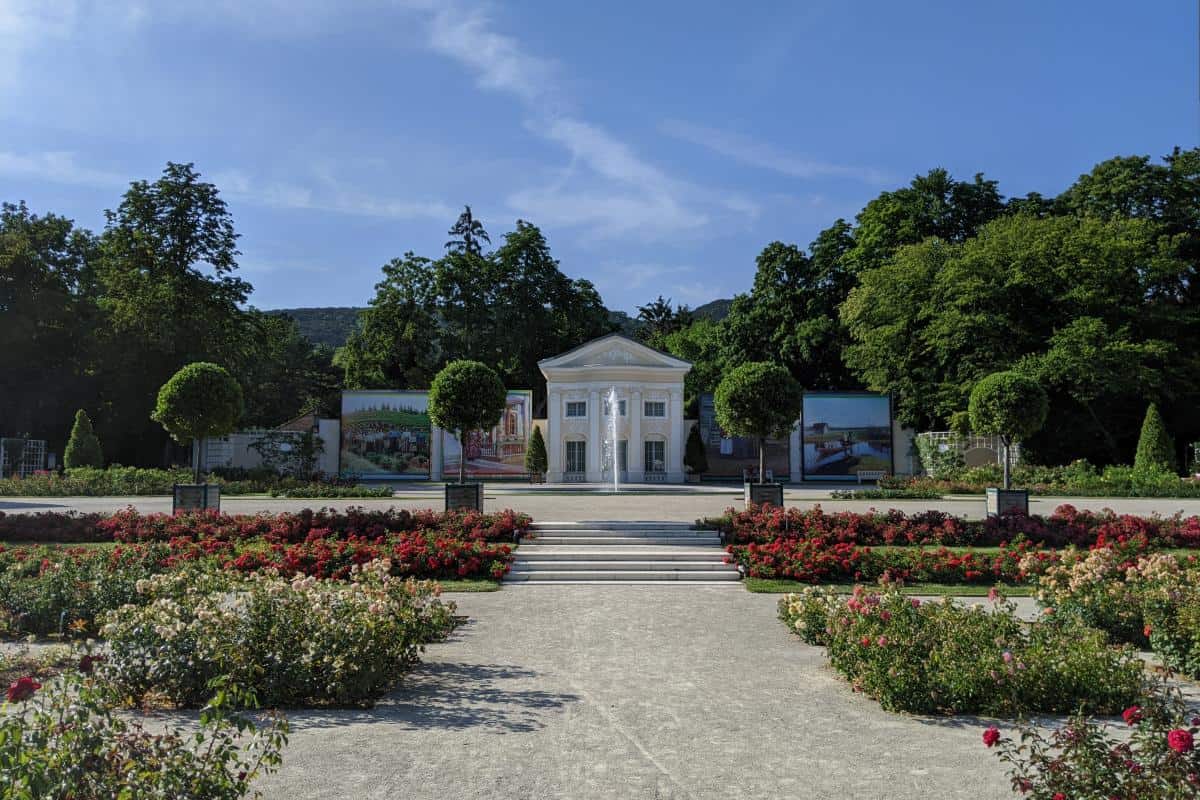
[
  {"x": 576, "y": 408},
  {"x": 620, "y": 408},
  {"x": 655, "y": 408},
  {"x": 576, "y": 456},
  {"x": 656, "y": 456}
]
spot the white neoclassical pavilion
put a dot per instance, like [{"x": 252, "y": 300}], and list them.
[{"x": 650, "y": 425}]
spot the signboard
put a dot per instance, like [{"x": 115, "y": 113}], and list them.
[
  {"x": 845, "y": 432},
  {"x": 385, "y": 435},
  {"x": 498, "y": 452},
  {"x": 732, "y": 457}
]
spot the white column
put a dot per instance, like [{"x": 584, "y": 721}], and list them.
[
  {"x": 554, "y": 447},
  {"x": 636, "y": 452},
  {"x": 675, "y": 444},
  {"x": 594, "y": 445}
]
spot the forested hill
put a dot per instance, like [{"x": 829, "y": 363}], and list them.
[{"x": 331, "y": 325}]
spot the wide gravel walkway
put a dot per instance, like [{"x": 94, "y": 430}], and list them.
[{"x": 629, "y": 692}]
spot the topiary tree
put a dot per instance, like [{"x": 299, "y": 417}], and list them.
[
  {"x": 83, "y": 446},
  {"x": 200, "y": 400},
  {"x": 466, "y": 396},
  {"x": 536, "y": 461},
  {"x": 1009, "y": 405},
  {"x": 758, "y": 399},
  {"x": 1155, "y": 449},
  {"x": 694, "y": 456}
]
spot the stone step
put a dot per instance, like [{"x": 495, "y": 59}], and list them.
[
  {"x": 550, "y": 552},
  {"x": 620, "y": 539},
  {"x": 613, "y": 525},
  {"x": 619, "y": 566},
  {"x": 684, "y": 532},
  {"x": 526, "y": 576},
  {"x": 721, "y": 584}
]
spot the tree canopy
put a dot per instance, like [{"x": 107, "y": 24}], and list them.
[
  {"x": 466, "y": 396},
  {"x": 760, "y": 400}
]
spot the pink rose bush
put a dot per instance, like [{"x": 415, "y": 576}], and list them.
[{"x": 946, "y": 658}]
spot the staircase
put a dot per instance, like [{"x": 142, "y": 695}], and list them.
[{"x": 620, "y": 552}]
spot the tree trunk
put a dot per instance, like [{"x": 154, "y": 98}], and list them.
[
  {"x": 462, "y": 458},
  {"x": 761, "y": 450},
  {"x": 1007, "y": 469},
  {"x": 196, "y": 460}
]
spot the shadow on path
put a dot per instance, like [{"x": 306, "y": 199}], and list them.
[
  {"x": 10, "y": 504},
  {"x": 452, "y": 696}
]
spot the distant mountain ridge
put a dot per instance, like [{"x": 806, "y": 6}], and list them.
[{"x": 332, "y": 325}]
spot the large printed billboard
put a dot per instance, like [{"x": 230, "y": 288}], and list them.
[
  {"x": 385, "y": 435},
  {"x": 497, "y": 452},
  {"x": 736, "y": 456},
  {"x": 845, "y": 432}
]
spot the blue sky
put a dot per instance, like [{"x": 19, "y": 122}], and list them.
[{"x": 658, "y": 145}]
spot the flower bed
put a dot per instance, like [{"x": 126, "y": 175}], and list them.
[
  {"x": 299, "y": 642},
  {"x": 47, "y": 590},
  {"x": 1065, "y": 526},
  {"x": 118, "y": 481},
  {"x": 944, "y": 658},
  {"x": 132, "y": 526}
]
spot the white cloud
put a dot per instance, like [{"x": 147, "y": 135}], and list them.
[
  {"x": 57, "y": 167},
  {"x": 764, "y": 156}
]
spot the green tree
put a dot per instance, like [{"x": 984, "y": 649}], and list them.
[
  {"x": 1155, "y": 450},
  {"x": 466, "y": 396},
  {"x": 1009, "y": 405},
  {"x": 83, "y": 446},
  {"x": 701, "y": 343},
  {"x": 199, "y": 401},
  {"x": 169, "y": 295},
  {"x": 659, "y": 319},
  {"x": 695, "y": 458},
  {"x": 536, "y": 461},
  {"x": 397, "y": 342},
  {"x": 48, "y": 320},
  {"x": 758, "y": 399}
]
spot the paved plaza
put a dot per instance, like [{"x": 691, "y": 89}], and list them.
[
  {"x": 630, "y": 692},
  {"x": 574, "y": 503}
]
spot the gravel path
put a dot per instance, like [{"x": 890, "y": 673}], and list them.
[
  {"x": 677, "y": 503},
  {"x": 629, "y": 692}
]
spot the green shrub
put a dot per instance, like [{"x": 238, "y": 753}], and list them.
[
  {"x": 536, "y": 461},
  {"x": 298, "y": 642},
  {"x": 695, "y": 458},
  {"x": 1171, "y": 607},
  {"x": 67, "y": 740},
  {"x": 1155, "y": 450},
  {"x": 83, "y": 446},
  {"x": 942, "y": 657}
]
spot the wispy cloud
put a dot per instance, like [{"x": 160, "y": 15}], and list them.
[
  {"x": 764, "y": 156},
  {"x": 57, "y": 167}
]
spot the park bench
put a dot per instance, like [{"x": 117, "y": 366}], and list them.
[{"x": 871, "y": 474}]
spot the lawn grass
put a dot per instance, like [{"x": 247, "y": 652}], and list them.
[
  {"x": 780, "y": 586},
  {"x": 470, "y": 585}
]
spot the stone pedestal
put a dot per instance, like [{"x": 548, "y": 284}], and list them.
[
  {"x": 764, "y": 493},
  {"x": 464, "y": 496},
  {"x": 1007, "y": 501},
  {"x": 196, "y": 497}
]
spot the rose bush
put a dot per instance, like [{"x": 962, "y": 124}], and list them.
[
  {"x": 66, "y": 740},
  {"x": 1090, "y": 760},
  {"x": 942, "y": 657},
  {"x": 294, "y": 642}
]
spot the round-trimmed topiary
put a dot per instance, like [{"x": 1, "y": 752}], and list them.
[
  {"x": 200, "y": 400},
  {"x": 83, "y": 446},
  {"x": 1155, "y": 450},
  {"x": 1009, "y": 405},
  {"x": 466, "y": 396},
  {"x": 758, "y": 399}
]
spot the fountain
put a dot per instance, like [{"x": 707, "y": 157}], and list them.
[{"x": 613, "y": 411}]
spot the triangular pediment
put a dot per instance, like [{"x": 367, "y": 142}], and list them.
[{"x": 611, "y": 351}]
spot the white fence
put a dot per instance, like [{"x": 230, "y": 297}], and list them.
[
  {"x": 22, "y": 457},
  {"x": 942, "y": 450},
  {"x": 236, "y": 449}
]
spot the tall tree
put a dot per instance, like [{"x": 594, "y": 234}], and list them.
[
  {"x": 659, "y": 320},
  {"x": 48, "y": 318},
  {"x": 167, "y": 258},
  {"x": 468, "y": 233}
]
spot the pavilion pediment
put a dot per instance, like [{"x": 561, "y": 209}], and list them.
[{"x": 614, "y": 351}]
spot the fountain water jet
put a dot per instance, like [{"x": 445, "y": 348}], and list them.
[{"x": 613, "y": 410}]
